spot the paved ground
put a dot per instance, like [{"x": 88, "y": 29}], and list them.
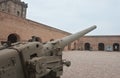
[{"x": 87, "y": 64}]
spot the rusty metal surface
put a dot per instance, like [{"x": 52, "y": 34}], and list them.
[{"x": 87, "y": 64}]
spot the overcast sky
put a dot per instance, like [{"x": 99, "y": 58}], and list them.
[{"x": 75, "y": 15}]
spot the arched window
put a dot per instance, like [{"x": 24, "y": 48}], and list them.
[
  {"x": 13, "y": 38},
  {"x": 116, "y": 47},
  {"x": 101, "y": 47},
  {"x": 87, "y": 46}
]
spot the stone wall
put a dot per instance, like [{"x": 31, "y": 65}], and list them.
[{"x": 14, "y": 7}]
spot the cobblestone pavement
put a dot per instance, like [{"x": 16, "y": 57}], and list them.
[{"x": 89, "y": 64}]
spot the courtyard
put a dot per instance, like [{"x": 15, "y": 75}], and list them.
[{"x": 92, "y": 64}]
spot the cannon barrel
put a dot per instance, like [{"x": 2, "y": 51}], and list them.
[
  {"x": 61, "y": 43},
  {"x": 69, "y": 39}
]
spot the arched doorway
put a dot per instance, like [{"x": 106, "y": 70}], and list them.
[
  {"x": 115, "y": 47},
  {"x": 101, "y": 47},
  {"x": 87, "y": 46},
  {"x": 13, "y": 38}
]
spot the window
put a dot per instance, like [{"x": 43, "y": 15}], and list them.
[{"x": 13, "y": 38}]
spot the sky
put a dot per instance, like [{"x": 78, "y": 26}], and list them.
[{"x": 75, "y": 15}]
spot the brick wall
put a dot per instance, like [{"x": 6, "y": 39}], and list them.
[
  {"x": 26, "y": 28},
  {"x": 94, "y": 42}
]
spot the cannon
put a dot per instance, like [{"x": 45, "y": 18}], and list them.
[{"x": 33, "y": 59}]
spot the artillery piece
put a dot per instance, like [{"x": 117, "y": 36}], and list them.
[{"x": 34, "y": 59}]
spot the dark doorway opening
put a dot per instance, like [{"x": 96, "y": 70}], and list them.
[
  {"x": 87, "y": 46},
  {"x": 75, "y": 46},
  {"x": 18, "y": 13},
  {"x": 13, "y": 38},
  {"x": 115, "y": 47},
  {"x": 101, "y": 47}
]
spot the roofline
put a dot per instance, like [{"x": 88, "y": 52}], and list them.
[
  {"x": 102, "y": 36},
  {"x": 58, "y": 30},
  {"x": 49, "y": 27},
  {"x": 43, "y": 25}
]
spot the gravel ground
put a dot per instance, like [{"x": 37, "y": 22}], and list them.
[{"x": 87, "y": 64}]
